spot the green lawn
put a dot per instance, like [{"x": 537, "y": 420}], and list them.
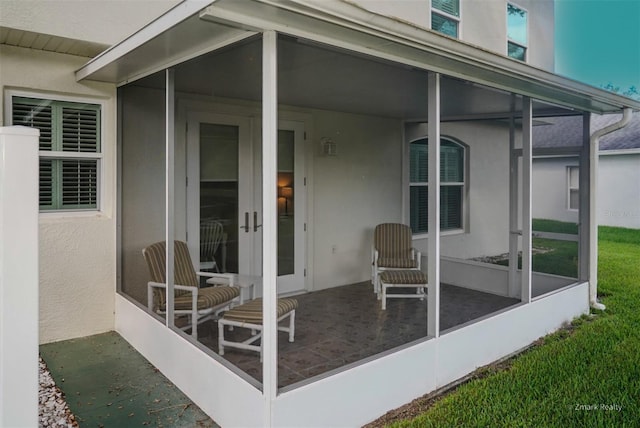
[
  {"x": 576, "y": 376},
  {"x": 544, "y": 225}
]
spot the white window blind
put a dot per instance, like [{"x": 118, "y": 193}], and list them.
[
  {"x": 450, "y": 7},
  {"x": 70, "y": 150},
  {"x": 452, "y": 184}
]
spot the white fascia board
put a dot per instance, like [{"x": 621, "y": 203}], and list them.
[
  {"x": 619, "y": 152},
  {"x": 163, "y": 23},
  {"x": 549, "y": 85},
  {"x": 345, "y": 25}
]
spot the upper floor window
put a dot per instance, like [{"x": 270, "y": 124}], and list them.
[
  {"x": 452, "y": 185},
  {"x": 517, "y": 29},
  {"x": 445, "y": 17},
  {"x": 69, "y": 151}
]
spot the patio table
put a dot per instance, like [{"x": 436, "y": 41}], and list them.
[{"x": 244, "y": 282}]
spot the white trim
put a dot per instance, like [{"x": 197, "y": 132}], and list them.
[
  {"x": 455, "y": 58},
  {"x": 269, "y": 222},
  {"x": 433, "y": 259},
  {"x": 170, "y": 118},
  {"x": 179, "y": 13},
  {"x": 618, "y": 152},
  {"x": 527, "y": 157}
]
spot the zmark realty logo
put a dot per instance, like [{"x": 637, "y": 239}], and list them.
[{"x": 602, "y": 406}]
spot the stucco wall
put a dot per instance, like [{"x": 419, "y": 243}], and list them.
[
  {"x": 95, "y": 21},
  {"x": 618, "y": 198},
  {"x": 549, "y": 185},
  {"x": 619, "y": 190},
  {"x": 352, "y": 192},
  {"x": 487, "y": 207},
  {"x": 77, "y": 251},
  {"x": 484, "y": 23}
]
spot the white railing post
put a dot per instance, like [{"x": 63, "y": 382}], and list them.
[{"x": 18, "y": 276}]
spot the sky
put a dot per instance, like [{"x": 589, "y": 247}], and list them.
[{"x": 598, "y": 41}]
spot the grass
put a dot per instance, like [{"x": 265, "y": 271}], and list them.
[
  {"x": 544, "y": 225},
  {"x": 571, "y": 377},
  {"x": 557, "y": 257}
]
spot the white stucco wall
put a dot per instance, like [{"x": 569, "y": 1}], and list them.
[
  {"x": 619, "y": 190},
  {"x": 77, "y": 251},
  {"x": 541, "y": 43},
  {"x": 352, "y": 192},
  {"x": 94, "y": 21},
  {"x": 484, "y": 23},
  {"x": 550, "y": 191},
  {"x": 618, "y": 197},
  {"x": 487, "y": 207}
]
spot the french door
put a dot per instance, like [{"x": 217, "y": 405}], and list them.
[{"x": 225, "y": 189}]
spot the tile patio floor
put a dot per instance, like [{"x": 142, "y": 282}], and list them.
[{"x": 343, "y": 325}]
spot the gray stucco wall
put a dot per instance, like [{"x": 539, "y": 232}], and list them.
[
  {"x": 618, "y": 197},
  {"x": 619, "y": 190},
  {"x": 550, "y": 192}
]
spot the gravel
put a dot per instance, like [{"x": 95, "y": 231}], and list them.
[{"x": 53, "y": 408}]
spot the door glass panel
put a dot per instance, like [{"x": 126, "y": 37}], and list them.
[
  {"x": 219, "y": 197},
  {"x": 286, "y": 192}
]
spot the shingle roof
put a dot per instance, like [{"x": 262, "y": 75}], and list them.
[{"x": 567, "y": 132}]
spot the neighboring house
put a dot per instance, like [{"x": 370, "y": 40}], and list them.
[
  {"x": 555, "y": 177},
  {"x": 357, "y": 101}
]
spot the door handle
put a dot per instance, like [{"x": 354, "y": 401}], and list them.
[
  {"x": 246, "y": 222},
  {"x": 255, "y": 221}
]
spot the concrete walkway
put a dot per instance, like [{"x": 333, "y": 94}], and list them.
[{"x": 107, "y": 383}]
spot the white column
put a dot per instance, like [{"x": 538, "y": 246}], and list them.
[
  {"x": 269, "y": 221},
  {"x": 433, "y": 257},
  {"x": 527, "y": 157},
  {"x": 514, "y": 290},
  {"x": 169, "y": 191},
  {"x": 18, "y": 277},
  {"x": 584, "y": 214}
]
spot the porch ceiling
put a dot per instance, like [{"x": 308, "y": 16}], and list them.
[
  {"x": 315, "y": 76},
  {"x": 331, "y": 79}
]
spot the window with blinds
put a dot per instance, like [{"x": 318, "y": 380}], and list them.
[
  {"x": 445, "y": 17},
  {"x": 452, "y": 182},
  {"x": 573, "y": 187},
  {"x": 70, "y": 151}
]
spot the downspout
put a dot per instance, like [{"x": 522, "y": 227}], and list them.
[{"x": 594, "y": 141}]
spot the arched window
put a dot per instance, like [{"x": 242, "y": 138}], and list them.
[{"x": 452, "y": 185}]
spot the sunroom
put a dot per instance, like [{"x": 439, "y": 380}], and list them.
[{"x": 296, "y": 129}]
